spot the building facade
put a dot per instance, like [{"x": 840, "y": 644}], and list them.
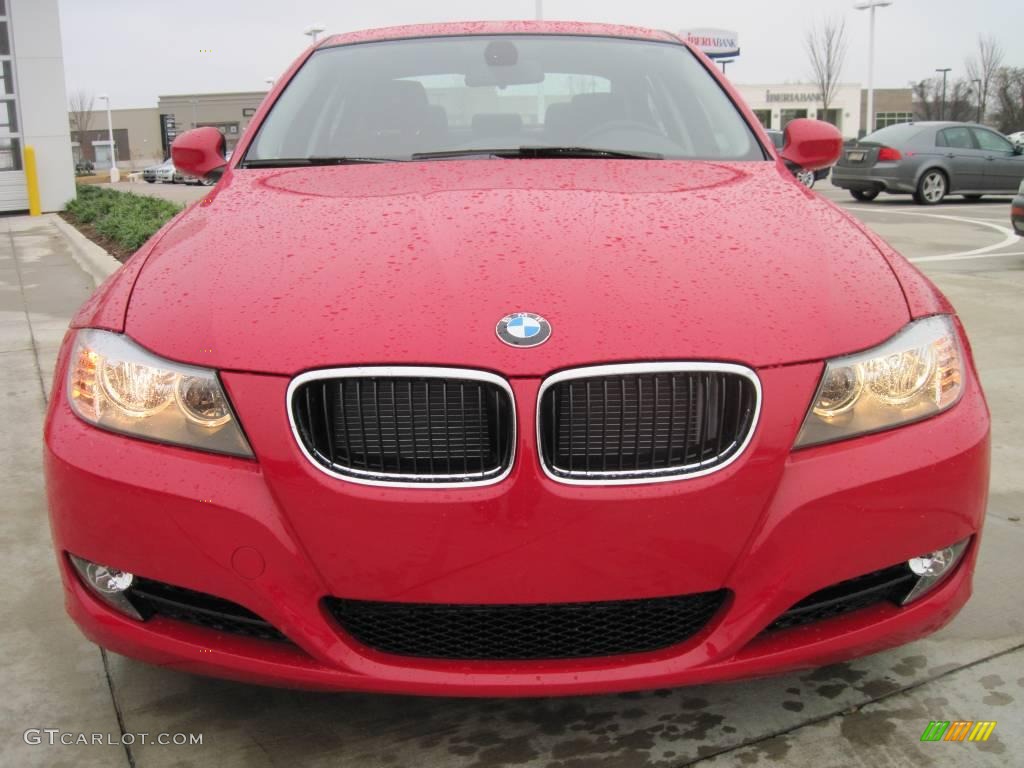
[
  {"x": 230, "y": 113},
  {"x": 136, "y": 138},
  {"x": 33, "y": 105},
  {"x": 776, "y": 105},
  {"x": 892, "y": 106}
]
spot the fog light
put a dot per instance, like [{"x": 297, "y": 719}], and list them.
[
  {"x": 933, "y": 568},
  {"x": 108, "y": 584}
]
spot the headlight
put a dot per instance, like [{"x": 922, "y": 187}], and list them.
[
  {"x": 116, "y": 384},
  {"x": 914, "y": 375}
]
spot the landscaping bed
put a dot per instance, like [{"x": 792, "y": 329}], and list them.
[{"x": 120, "y": 222}]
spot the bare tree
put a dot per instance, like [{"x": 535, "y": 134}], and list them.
[
  {"x": 1008, "y": 87},
  {"x": 826, "y": 48},
  {"x": 80, "y": 113},
  {"x": 928, "y": 105},
  {"x": 983, "y": 66}
]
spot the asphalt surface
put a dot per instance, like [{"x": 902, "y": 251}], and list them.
[{"x": 868, "y": 712}]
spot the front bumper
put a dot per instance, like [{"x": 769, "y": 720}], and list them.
[{"x": 277, "y": 537}]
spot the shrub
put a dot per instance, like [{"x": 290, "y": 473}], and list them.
[{"x": 125, "y": 218}]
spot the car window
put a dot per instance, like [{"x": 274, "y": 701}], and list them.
[
  {"x": 392, "y": 99},
  {"x": 894, "y": 135},
  {"x": 990, "y": 141},
  {"x": 958, "y": 138}
]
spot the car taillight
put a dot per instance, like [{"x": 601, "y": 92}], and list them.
[{"x": 888, "y": 153}]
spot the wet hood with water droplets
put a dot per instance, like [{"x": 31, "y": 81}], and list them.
[{"x": 281, "y": 271}]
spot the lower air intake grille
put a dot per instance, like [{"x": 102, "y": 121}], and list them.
[
  {"x": 155, "y": 598},
  {"x": 511, "y": 632},
  {"x": 887, "y": 585},
  {"x": 646, "y": 420},
  {"x": 451, "y": 426}
]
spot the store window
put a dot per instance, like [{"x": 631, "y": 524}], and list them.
[
  {"x": 10, "y": 154},
  {"x": 101, "y": 151},
  {"x": 765, "y": 116},
  {"x": 10, "y": 141},
  {"x": 788, "y": 115},
  {"x": 885, "y": 119},
  {"x": 834, "y": 116}
]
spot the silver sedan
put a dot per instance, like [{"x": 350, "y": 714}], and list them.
[{"x": 929, "y": 161}]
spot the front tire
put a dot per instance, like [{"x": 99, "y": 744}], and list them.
[
  {"x": 864, "y": 195},
  {"x": 932, "y": 188}
]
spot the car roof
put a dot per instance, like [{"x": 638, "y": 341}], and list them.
[{"x": 498, "y": 28}]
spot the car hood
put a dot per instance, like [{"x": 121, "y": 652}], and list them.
[{"x": 279, "y": 271}]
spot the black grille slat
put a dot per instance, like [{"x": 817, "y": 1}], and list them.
[
  {"x": 891, "y": 585},
  {"x": 519, "y": 632},
  {"x": 395, "y": 428},
  {"x": 155, "y": 598},
  {"x": 645, "y": 424}
]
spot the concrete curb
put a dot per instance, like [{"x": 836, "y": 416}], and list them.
[{"x": 90, "y": 257}]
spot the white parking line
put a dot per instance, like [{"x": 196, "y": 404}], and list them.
[{"x": 1012, "y": 237}]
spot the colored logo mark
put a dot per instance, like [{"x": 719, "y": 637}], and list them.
[{"x": 958, "y": 730}]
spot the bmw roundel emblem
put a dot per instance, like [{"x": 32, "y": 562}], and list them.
[{"x": 523, "y": 329}]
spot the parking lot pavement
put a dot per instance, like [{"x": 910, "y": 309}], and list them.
[
  {"x": 176, "y": 193},
  {"x": 868, "y": 712}
]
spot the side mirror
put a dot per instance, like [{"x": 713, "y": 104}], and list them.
[
  {"x": 811, "y": 144},
  {"x": 200, "y": 153}
]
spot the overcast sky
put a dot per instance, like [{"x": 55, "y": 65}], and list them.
[{"x": 158, "y": 46}]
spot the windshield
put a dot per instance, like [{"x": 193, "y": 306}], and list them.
[{"x": 452, "y": 95}]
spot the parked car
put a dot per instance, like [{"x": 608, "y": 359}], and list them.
[
  {"x": 805, "y": 177},
  {"x": 438, "y": 400},
  {"x": 1017, "y": 211},
  {"x": 930, "y": 160},
  {"x": 164, "y": 172}
]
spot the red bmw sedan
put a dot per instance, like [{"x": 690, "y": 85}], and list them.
[{"x": 510, "y": 359}]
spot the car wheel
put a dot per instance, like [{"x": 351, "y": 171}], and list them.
[
  {"x": 864, "y": 195},
  {"x": 972, "y": 198},
  {"x": 932, "y": 188},
  {"x": 806, "y": 178}
]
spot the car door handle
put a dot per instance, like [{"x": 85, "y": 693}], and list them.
[
  {"x": 950, "y": 155},
  {"x": 989, "y": 157}
]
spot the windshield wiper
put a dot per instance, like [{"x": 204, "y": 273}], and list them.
[
  {"x": 540, "y": 152},
  {"x": 291, "y": 162}
]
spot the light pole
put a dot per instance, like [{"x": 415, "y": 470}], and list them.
[
  {"x": 942, "y": 110},
  {"x": 115, "y": 175},
  {"x": 978, "y": 81},
  {"x": 313, "y": 31},
  {"x": 870, "y": 5}
]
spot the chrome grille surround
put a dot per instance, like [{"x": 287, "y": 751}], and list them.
[
  {"x": 658, "y": 475},
  {"x": 405, "y": 480}
]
